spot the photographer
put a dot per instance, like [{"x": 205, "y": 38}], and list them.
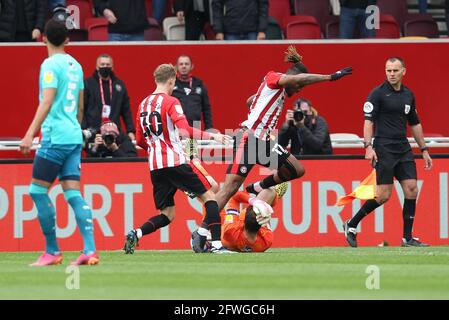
[
  {"x": 308, "y": 132},
  {"x": 109, "y": 143}
]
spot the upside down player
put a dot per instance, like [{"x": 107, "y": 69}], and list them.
[
  {"x": 247, "y": 230},
  {"x": 160, "y": 121},
  {"x": 253, "y": 143}
]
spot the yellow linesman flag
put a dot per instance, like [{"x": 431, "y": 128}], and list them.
[{"x": 366, "y": 190}]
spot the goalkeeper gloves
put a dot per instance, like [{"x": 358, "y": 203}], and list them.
[{"x": 341, "y": 73}]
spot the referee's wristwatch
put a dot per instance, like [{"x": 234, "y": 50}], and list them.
[
  {"x": 424, "y": 149},
  {"x": 367, "y": 144}
]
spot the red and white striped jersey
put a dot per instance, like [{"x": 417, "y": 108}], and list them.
[
  {"x": 266, "y": 107},
  {"x": 156, "y": 130}
]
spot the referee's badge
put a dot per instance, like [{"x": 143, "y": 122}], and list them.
[
  {"x": 368, "y": 107},
  {"x": 198, "y": 90},
  {"x": 118, "y": 87},
  {"x": 407, "y": 108}
]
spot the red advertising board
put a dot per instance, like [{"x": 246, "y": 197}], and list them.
[{"x": 120, "y": 195}]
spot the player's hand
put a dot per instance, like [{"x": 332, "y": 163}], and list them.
[
  {"x": 222, "y": 138},
  {"x": 263, "y": 221},
  {"x": 108, "y": 14},
  {"x": 180, "y": 16},
  {"x": 371, "y": 155},
  {"x": 289, "y": 117},
  {"x": 427, "y": 160},
  {"x": 97, "y": 142},
  {"x": 341, "y": 73},
  {"x": 261, "y": 208},
  {"x": 26, "y": 144}
]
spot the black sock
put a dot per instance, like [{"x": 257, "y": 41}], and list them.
[
  {"x": 368, "y": 206},
  {"x": 408, "y": 214},
  {"x": 268, "y": 182},
  {"x": 154, "y": 223},
  {"x": 213, "y": 219}
]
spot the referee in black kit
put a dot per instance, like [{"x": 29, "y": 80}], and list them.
[{"x": 389, "y": 107}]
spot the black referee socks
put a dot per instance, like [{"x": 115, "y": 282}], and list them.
[
  {"x": 368, "y": 206},
  {"x": 408, "y": 214}
]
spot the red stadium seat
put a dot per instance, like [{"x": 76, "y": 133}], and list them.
[
  {"x": 154, "y": 32},
  {"x": 302, "y": 27},
  {"x": 85, "y": 11},
  {"x": 320, "y": 9},
  {"x": 279, "y": 10},
  {"x": 421, "y": 27},
  {"x": 332, "y": 28},
  {"x": 399, "y": 10},
  {"x": 97, "y": 29},
  {"x": 389, "y": 27}
]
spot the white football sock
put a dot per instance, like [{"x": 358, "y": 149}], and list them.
[
  {"x": 217, "y": 244},
  {"x": 257, "y": 187},
  {"x": 202, "y": 231},
  {"x": 139, "y": 233}
]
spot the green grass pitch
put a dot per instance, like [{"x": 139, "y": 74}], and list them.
[{"x": 300, "y": 273}]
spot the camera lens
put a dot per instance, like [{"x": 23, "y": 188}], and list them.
[
  {"x": 109, "y": 139},
  {"x": 298, "y": 115}
]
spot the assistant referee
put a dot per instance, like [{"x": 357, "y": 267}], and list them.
[{"x": 389, "y": 108}]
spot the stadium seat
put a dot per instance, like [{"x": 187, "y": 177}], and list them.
[
  {"x": 154, "y": 32},
  {"x": 332, "y": 28},
  {"x": 279, "y": 10},
  {"x": 85, "y": 11},
  {"x": 320, "y": 9},
  {"x": 173, "y": 30},
  {"x": 97, "y": 29},
  {"x": 413, "y": 38},
  {"x": 399, "y": 10},
  {"x": 354, "y": 138},
  {"x": 421, "y": 27},
  {"x": 302, "y": 27},
  {"x": 274, "y": 30},
  {"x": 389, "y": 27}
]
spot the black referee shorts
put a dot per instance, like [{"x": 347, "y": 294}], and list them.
[
  {"x": 167, "y": 181},
  {"x": 394, "y": 160},
  {"x": 249, "y": 150}
]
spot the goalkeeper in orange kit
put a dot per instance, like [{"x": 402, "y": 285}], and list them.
[{"x": 246, "y": 230}]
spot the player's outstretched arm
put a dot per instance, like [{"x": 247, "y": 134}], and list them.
[
  {"x": 48, "y": 96},
  {"x": 304, "y": 79}
]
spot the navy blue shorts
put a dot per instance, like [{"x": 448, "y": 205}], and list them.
[{"x": 57, "y": 160}]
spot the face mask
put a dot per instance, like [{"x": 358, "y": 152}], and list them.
[{"x": 105, "y": 72}]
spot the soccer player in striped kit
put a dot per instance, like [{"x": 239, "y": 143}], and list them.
[
  {"x": 160, "y": 121},
  {"x": 253, "y": 144}
]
